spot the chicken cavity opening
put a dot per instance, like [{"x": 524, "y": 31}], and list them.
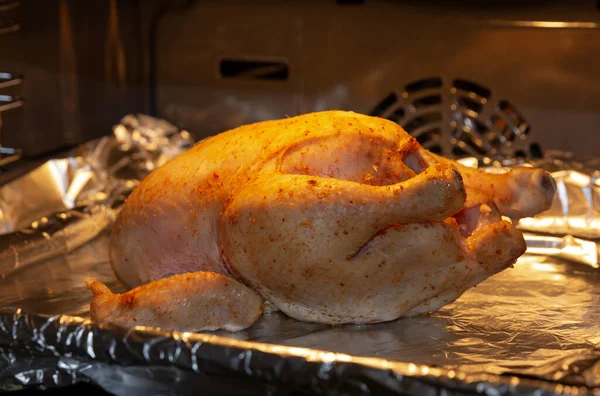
[
  {"x": 414, "y": 162},
  {"x": 469, "y": 220},
  {"x": 476, "y": 217}
]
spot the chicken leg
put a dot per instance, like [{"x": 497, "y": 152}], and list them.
[
  {"x": 521, "y": 192},
  {"x": 187, "y": 302},
  {"x": 362, "y": 271}
]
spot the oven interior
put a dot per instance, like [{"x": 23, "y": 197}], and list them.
[{"x": 449, "y": 72}]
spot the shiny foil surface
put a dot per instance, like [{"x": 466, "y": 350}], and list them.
[
  {"x": 68, "y": 201},
  {"x": 530, "y": 330}
]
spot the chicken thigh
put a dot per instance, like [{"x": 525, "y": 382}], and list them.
[{"x": 332, "y": 217}]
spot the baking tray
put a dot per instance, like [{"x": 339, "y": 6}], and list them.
[
  {"x": 530, "y": 330},
  {"x": 533, "y": 329}
]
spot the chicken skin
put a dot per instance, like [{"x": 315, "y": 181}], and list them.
[
  {"x": 332, "y": 217},
  {"x": 203, "y": 300}
]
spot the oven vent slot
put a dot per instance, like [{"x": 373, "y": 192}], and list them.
[
  {"x": 350, "y": 2},
  {"x": 8, "y": 22},
  {"x": 253, "y": 69},
  {"x": 9, "y": 79},
  {"x": 8, "y": 102}
]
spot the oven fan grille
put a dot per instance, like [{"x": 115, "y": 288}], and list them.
[{"x": 459, "y": 119}]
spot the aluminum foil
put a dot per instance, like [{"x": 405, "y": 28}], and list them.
[
  {"x": 530, "y": 330},
  {"x": 68, "y": 201}
]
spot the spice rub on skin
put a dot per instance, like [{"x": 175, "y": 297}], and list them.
[
  {"x": 292, "y": 210},
  {"x": 187, "y": 302}
]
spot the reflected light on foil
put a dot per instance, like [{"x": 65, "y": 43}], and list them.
[
  {"x": 544, "y": 267},
  {"x": 328, "y": 357},
  {"x": 578, "y": 222},
  {"x": 579, "y": 179},
  {"x": 293, "y": 350},
  {"x": 540, "y": 222},
  {"x": 57, "y": 169},
  {"x": 81, "y": 179}
]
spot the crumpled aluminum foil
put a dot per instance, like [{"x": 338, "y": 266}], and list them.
[
  {"x": 68, "y": 201},
  {"x": 530, "y": 330}
]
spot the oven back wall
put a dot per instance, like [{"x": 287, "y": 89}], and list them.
[
  {"x": 219, "y": 64},
  {"x": 75, "y": 66}
]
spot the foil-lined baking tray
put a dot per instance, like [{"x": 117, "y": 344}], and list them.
[{"x": 530, "y": 330}]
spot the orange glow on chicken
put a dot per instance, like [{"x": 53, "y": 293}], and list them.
[{"x": 332, "y": 217}]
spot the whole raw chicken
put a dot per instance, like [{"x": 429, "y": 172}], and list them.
[{"x": 332, "y": 217}]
